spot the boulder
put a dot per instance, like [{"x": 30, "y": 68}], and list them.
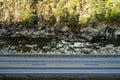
[
  {"x": 23, "y": 32},
  {"x": 47, "y": 34},
  {"x": 30, "y": 31},
  {"x": 107, "y": 33},
  {"x": 64, "y": 29},
  {"x": 3, "y": 31},
  {"x": 86, "y": 36},
  {"x": 117, "y": 33},
  {"x": 19, "y": 27},
  {"x": 36, "y": 32},
  {"x": 93, "y": 32},
  {"x": 61, "y": 27}
]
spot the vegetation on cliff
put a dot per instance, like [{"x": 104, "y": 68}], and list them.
[{"x": 72, "y": 12}]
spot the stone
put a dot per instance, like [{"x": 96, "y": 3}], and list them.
[
  {"x": 2, "y": 42},
  {"x": 23, "y": 33},
  {"x": 77, "y": 44},
  {"x": 58, "y": 26},
  {"x": 34, "y": 36},
  {"x": 70, "y": 36},
  {"x": 42, "y": 31},
  {"x": 30, "y": 31},
  {"x": 93, "y": 32},
  {"x": 9, "y": 33},
  {"x": 64, "y": 29},
  {"x": 17, "y": 34},
  {"x": 59, "y": 45},
  {"x": 1, "y": 32},
  {"x": 53, "y": 43},
  {"x": 31, "y": 46},
  {"x": 107, "y": 32},
  {"x": 88, "y": 33},
  {"x": 89, "y": 30},
  {"x": 52, "y": 29},
  {"x": 82, "y": 40},
  {"x": 11, "y": 28},
  {"x": 102, "y": 31},
  {"x": 52, "y": 34},
  {"x": 13, "y": 35},
  {"x": 36, "y": 32},
  {"x": 65, "y": 42},
  {"x": 87, "y": 50},
  {"x": 19, "y": 27},
  {"x": 86, "y": 36},
  {"x": 46, "y": 47},
  {"x": 109, "y": 46},
  {"x": 66, "y": 38},
  {"x": 117, "y": 33}
]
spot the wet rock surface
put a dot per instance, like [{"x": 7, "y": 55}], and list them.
[{"x": 55, "y": 46}]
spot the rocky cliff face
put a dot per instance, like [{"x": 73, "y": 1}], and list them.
[{"x": 69, "y": 19}]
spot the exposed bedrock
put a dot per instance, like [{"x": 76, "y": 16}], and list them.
[{"x": 61, "y": 31}]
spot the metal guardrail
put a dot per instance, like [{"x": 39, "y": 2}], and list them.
[{"x": 60, "y": 66}]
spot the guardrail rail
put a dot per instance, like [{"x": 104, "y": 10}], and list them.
[{"x": 80, "y": 66}]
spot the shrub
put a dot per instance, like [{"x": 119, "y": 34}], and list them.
[{"x": 72, "y": 12}]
